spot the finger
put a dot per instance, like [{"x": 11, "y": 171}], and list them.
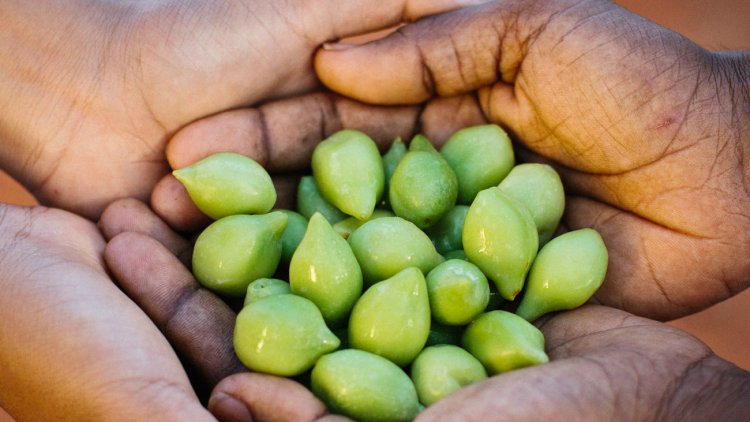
[
  {"x": 442, "y": 117},
  {"x": 171, "y": 202},
  {"x": 197, "y": 323},
  {"x": 265, "y": 397}
]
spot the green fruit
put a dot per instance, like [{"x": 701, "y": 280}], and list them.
[
  {"x": 236, "y": 250},
  {"x": 503, "y": 341},
  {"x": 349, "y": 172},
  {"x": 392, "y": 318},
  {"x": 446, "y": 233},
  {"x": 499, "y": 236},
  {"x": 538, "y": 187},
  {"x": 282, "y": 335},
  {"x": 458, "y": 292},
  {"x": 481, "y": 156},
  {"x": 293, "y": 233},
  {"x": 457, "y": 254},
  {"x": 444, "y": 334},
  {"x": 324, "y": 270},
  {"x": 364, "y": 386},
  {"x": 346, "y": 226},
  {"x": 387, "y": 245},
  {"x": 264, "y": 287},
  {"x": 421, "y": 143},
  {"x": 391, "y": 158},
  {"x": 566, "y": 273},
  {"x": 423, "y": 188},
  {"x": 226, "y": 184},
  {"x": 441, "y": 370},
  {"x": 310, "y": 201}
]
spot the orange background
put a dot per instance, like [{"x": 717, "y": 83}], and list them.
[{"x": 719, "y": 24}]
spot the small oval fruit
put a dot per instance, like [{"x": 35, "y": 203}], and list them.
[
  {"x": 233, "y": 251},
  {"x": 225, "y": 184},
  {"x": 282, "y": 335},
  {"x": 458, "y": 292},
  {"x": 364, "y": 386},
  {"x": 310, "y": 201},
  {"x": 446, "y": 233},
  {"x": 504, "y": 341},
  {"x": 264, "y": 287},
  {"x": 566, "y": 273},
  {"x": 346, "y": 226},
  {"x": 296, "y": 226},
  {"x": 443, "y": 369}
]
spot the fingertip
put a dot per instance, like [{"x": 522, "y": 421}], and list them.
[
  {"x": 171, "y": 202},
  {"x": 228, "y": 409}
]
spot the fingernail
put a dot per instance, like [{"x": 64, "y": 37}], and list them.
[
  {"x": 337, "y": 46},
  {"x": 228, "y": 409}
]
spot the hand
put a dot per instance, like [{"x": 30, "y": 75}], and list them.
[
  {"x": 648, "y": 130},
  {"x": 606, "y": 364},
  {"x": 74, "y": 347},
  {"x": 90, "y": 98}
]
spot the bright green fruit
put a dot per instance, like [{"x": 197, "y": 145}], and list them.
[
  {"x": 310, "y": 201},
  {"x": 346, "y": 226},
  {"x": 392, "y": 318},
  {"x": 566, "y": 273},
  {"x": 441, "y": 370},
  {"x": 499, "y": 236},
  {"x": 226, "y": 184},
  {"x": 423, "y": 188},
  {"x": 324, "y": 270},
  {"x": 458, "y": 292},
  {"x": 233, "y": 251},
  {"x": 364, "y": 386},
  {"x": 349, "y": 172},
  {"x": 293, "y": 233},
  {"x": 446, "y": 233},
  {"x": 387, "y": 245},
  {"x": 264, "y": 287},
  {"x": 420, "y": 143},
  {"x": 503, "y": 341},
  {"x": 538, "y": 187},
  {"x": 282, "y": 335},
  {"x": 481, "y": 156}
]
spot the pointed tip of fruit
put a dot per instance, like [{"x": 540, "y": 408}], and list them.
[{"x": 277, "y": 221}]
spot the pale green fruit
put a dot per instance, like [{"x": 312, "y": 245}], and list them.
[
  {"x": 264, "y": 287},
  {"x": 446, "y": 233},
  {"x": 539, "y": 189},
  {"x": 392, "y": 318},
  {"x": 324, "y": 270},
  {"x": 499, "y": 236},
  {"x": 346, "y": 226},
  {"x": 443, "y": 369},
  {"x": 503, "y": 341},
  {"x": 387, "y": 245},
  {"x": 233, "y": 251},
  {"x": 293, "y": 233},
  {"x": 458, "y": 292},
  {"x": 391, "y": 158},
  {"x": 226, "y": 184},
  {"x": 349, "y": 172},
  {"x": 423, "y": 188},
  {"x": 364, "y": 386},
  {"x": 566, "y": 273},
  {"x": 310, "y": 201},
  {"x": 481, "y": 156},
  {"x": 282, "y": 335},
  {"x": 421, "y": 143}
]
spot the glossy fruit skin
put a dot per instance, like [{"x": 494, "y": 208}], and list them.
[
  {"x": 481, "y": 156},
  {"x": 423, "y": 188},
  {"x": 566, "y": 273},
  {"x": 387, "y": 245},
  {"x": 503, "y": 341},
  {"x": 391, "y": 158},
  {"x": 348, "y": 170},
  {"x": 310, "y": 201},
  {"x": 499, "y": 236},
  {"x": 458, "y": 292},
  {"x": 364, "y": 386},
  {"x": 264, "y": 287},
  {"x": 446, "y": 233},
  {"x": 225, "y": 184},
  {"x": 346, "y": 226},
  {"x": 325, "y": 270},
  {"x": 282, "y": 335},
  {"x": 296, "y": 226},
  {"x": 443, "y": 369},
  {"x": 539, "y": 188},
  {"x": 392, "y": 318},
  {"x": 236, "y": 250}
]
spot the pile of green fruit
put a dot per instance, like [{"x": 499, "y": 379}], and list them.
[{"x": 397, "y": 263}]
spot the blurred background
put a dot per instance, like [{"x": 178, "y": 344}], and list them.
[{"x": 714, "y": 24}]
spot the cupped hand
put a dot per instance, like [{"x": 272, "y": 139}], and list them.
[
  {"x": 90, "y": 97},
  {"x": 649, "y": 131}
]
